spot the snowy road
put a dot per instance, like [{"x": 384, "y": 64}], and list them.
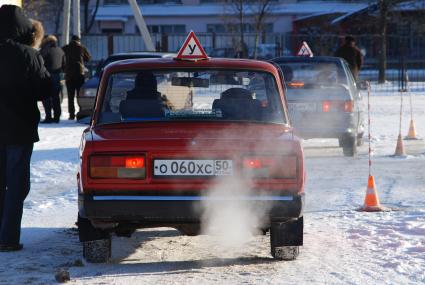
[{"x": 342, "y": 246}]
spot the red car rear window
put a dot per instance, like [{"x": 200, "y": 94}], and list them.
[{"x": 167, "y": 95}]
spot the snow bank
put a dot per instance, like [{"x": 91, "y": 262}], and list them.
[{"x": 342, "y": 246}]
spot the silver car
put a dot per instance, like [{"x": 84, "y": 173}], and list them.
[{"x": 324, "y": 100}]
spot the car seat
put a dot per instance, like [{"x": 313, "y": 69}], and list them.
[{"x": 141, "y": 108}]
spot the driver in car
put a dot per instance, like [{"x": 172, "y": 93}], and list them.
[{"x": 144, "y": 100}]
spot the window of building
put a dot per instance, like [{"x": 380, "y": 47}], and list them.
[
  {"x": 143, "y": 1},
  {"x": 216, "y": 28},
  {"x": 246, "y": 1},
  {"x": 235, "y": 28},
  {"x": 165, "y": 29},
  {"x": 111, "y": 27},
  {"x": 111, "y": 31}
]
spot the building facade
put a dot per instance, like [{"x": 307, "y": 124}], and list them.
[{"x": 207, "y": 16}]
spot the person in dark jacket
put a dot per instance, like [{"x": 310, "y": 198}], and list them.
[
  {"x": 23, "y": 81},
  {"x": 54, "y": 60},
  {"x": 146, "y": 87},
  {"x": 75, "y": 57},
  {"x": 352, "y": 54}
]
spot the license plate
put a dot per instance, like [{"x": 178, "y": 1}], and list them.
[
  {"x": 302, "y": 107},
  {"x": 194, "y": 167}
]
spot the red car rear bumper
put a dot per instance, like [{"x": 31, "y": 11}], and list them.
[{"x": 169, "y": 210}]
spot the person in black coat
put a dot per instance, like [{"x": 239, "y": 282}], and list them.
[
  {"x": 23, "y": 80},
  {"x": 351, "y": 53},
  {"x": 75, "y": 57},
  {"x": 54, "y": 60}
]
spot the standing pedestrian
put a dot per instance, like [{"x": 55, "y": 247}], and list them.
[
  {"x": 75, "y": 57},
  {"x": 38, "y": 34},
  {"x": 352, "y": 54},
  {"x": 241, "y": 50},
  {"x": 54, "y": 60},
  {"x": 23, "y": 81}
]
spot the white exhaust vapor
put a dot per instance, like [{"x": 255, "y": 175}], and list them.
[{"x": 229, "y": 216}]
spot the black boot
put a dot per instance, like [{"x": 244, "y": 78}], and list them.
[
  {"x": 4, "y": 247},
  {"x": 47, "y": 121}
]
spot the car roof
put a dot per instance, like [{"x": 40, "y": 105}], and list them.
[
  {"x": 217, "y": 63},
  {"x": 132, "y": 55},
  {"x": 141, "y": 54},
  {"x": 284, "y": 59}
]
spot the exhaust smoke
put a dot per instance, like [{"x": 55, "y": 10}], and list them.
[
  {"x": 233, "y": 211},
  {"x": 229, "y": 216}
]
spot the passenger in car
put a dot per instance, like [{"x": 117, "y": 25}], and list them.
[
  {"x": 237, "y": 104},
  {"x": 144, "y": 100},
  {"x": 145, "y": 87}
]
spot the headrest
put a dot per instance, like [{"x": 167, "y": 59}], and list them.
[{"x": 139, "y": 108}]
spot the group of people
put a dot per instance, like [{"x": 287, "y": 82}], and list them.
[
  {"x": 30, "y": 71},
  {"x": 70, "y": 59}
]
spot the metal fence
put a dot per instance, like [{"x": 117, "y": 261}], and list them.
[{"x": 405, "y": 55}]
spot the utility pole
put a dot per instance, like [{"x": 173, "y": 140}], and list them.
[
  {"x": 76, "y": 30},
  {"x": 66, "y": 18},
  {"x": 142, "y": 25}
]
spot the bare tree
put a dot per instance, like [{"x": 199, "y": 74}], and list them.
[
  {"x": 33, "y": 8},
  {"x": 50, "y": 11},
  {"x": 261, "y": 9},
  {"x": 238, "y": 8},
  {"x": 46, "y": 11},
  {"x": 386, "y": 11},
  {"x": 89, "y": 24},
  {"x": 249, "y": 13}
]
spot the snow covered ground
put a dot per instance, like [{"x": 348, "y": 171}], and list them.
[{"x": 341, "y": 245}]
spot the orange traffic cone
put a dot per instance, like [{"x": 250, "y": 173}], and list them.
[
  {"x": 411, "y": 135},
  {"x": 371, "y": 201},
  {"x": 399, "y": 150}
]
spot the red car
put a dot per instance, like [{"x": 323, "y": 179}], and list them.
[{"x": 166, "y": 133}]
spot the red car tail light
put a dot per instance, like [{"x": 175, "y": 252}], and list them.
[
  {"x": 117, "y": 166},
  {"x": 135, "y": 162},
  {"x": 348, "y": 106},
  {"x": 276, "y": 167},
  {"x": 252, "y": 163},
  {"x": 332, "y": 106},
  {"x": 326, "y": 106}
]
